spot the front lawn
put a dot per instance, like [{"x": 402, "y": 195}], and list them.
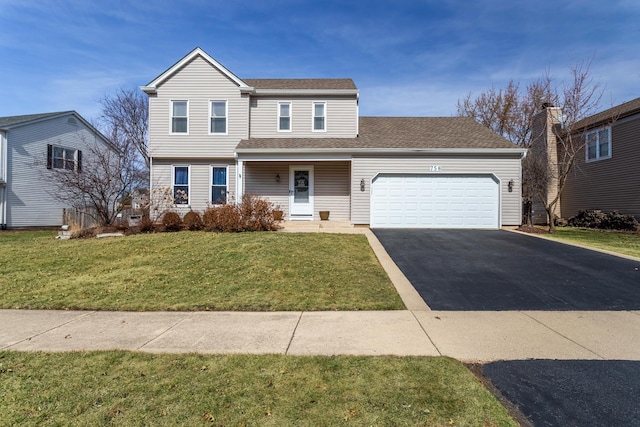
[
  {"x": 122, "y": 388},
  {"x": 264, "y": 271},
  {"x": 620, "y": 242}
]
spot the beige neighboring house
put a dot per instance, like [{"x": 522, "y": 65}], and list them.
[
  {"x": 29, "y": 145},
  {"x": 606, "y": 173},
  {"x": 301, "y": 144}
]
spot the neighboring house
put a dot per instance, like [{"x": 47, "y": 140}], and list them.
[
  {"x": 29, "y": 145},
  {"x": 301, "y": 144},
  {"x": 606, "y": 173}
]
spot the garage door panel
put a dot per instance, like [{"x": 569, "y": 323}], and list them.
[{"x": 435, "y": 201}]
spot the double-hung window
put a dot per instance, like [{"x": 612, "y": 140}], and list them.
[
  {"x": 63, "y": 158},
  {"x": 218, "y": 117},
  {"x": 284, "y": 117},
  {"x": 179, "y": 117},
  {"x": 319, "y": 116},
  {"x": 219, "y": 185},
  {"x": 598, "y": 144},
  {"x": 181, "y": 185}
]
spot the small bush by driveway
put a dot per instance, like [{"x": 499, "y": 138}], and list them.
[{"x": 500, "y": 270}]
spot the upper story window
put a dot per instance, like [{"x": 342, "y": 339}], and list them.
[
  {"x": 181, "y": 185},
  {"x": 218, "y": 185},
  {"x": 319, "y": 116},
  {"x": 179, "y": 117},
  {"x": 598, "y": 144},
  {"x": 63, "y": 158},
  {"x": 284, "y": 116},
  {"x": 218, "y": 117}
]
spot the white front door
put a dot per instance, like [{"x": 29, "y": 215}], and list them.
[{"x": 301, "y": 192}]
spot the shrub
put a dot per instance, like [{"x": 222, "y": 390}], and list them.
[
  {"x": 604, "y": 221},
  {"x": 146, "y": 224},
  {"x": 192, "y": 221},
  {"x": 172, "y": 221},
  {"x": 84, "y": 233},
  {"x": 253, "y": 214}
]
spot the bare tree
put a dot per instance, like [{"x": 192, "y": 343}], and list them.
[
  {"x": 101, "y": 181},
  {"x": 517, "y": 116},
  {"x": 127, "y": 112}
]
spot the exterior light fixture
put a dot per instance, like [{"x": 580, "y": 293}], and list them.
[
  {"x": 510, "y": 185},
  {"x": 362, "y": 184},
  {"x": 277, "y": 177}
]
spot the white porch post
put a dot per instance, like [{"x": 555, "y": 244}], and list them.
[{"x": 239, "y": 184}]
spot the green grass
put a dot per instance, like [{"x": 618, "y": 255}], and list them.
[
  {"x": 122, "y": 388},
  {"x": 193, "y": 271},
  {"x": 619, "y": 242}
]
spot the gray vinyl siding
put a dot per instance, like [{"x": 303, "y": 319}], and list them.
[
  {"x": 198, "y": 83},
  {"x": 29, "y": 191},
  {"x": 505, "y": 168},
  {"x": 331, "y": 185},
  {"x": 609, "y": 184},
  {"x": 200, "y": 182},
  {"x": 341, "y": 117}
]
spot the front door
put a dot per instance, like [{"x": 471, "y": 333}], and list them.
[{"x": 301, "y": 192}]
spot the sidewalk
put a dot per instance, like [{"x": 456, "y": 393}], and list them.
[{"x": 467, "y": 336}]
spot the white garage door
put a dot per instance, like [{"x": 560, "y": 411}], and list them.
[{"x": 435, "y": 201}]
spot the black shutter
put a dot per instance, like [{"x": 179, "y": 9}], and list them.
[
  {"x": 49, "y": 156},
  {"x": 79, "y": 160}
]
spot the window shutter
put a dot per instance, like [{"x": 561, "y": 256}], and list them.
[
  {"x": 79, "y": 160},
  {"x": 49, "y": 156}
]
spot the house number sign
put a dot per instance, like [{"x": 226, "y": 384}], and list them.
[{"x": 434, "y": 168}]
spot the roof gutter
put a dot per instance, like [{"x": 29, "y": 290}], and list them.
[{"x": 502, "y": 151}]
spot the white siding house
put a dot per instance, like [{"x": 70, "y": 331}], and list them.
[
  {"x": 29, "y": 145},
  {"x": 302, "y": 144}
]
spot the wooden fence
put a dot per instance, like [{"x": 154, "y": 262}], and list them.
[{"x": 86, "y": 217}]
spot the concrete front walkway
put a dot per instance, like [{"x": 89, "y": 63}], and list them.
[{"x": 467, "y": 336}]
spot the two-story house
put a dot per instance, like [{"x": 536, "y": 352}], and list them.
[
  {"x": 605, "y": 175},
  {"x": 301, "y": 144}
]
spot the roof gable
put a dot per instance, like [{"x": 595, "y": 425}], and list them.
[{"x": 152, "y": 86}]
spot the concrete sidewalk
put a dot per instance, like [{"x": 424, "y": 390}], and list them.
[{"x": 467, "y": 336}]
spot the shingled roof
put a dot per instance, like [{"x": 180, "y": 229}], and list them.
[
  {"x": 615, "y": 113},
  {"x": 396, "y": 133},
  {"x": 302, "y": 84},
  {"x": 17, "y": 120}
]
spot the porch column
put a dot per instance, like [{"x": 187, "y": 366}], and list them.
[{"x": 239, "y": 185}]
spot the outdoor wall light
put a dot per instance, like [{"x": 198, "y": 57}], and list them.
[
  {"x": 362, "y": 184},
  {"x": 510, "y": 185},
  {"x": 277, "y": 177}
]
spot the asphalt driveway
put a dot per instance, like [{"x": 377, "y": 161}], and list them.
[
  {"x": 570, "y": 392},
  {"x": 500, "y": 270}
]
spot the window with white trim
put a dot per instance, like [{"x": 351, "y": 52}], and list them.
[
  {"x": 218, "y": 111},
  {"x": 219, "y": 185},
  {"x": 63, "y": 158},
  {"x": 319, "y": 116},
  {"x": 179, "y": 117},
  {"x": 181, "y": 185},
  {"x": 284, "y": 116},
  {"x": 598, "y": 144}
]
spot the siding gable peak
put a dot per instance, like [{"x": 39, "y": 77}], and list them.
[{"x": 152, "y": 86}]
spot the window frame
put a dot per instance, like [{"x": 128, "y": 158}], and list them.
[
  {"x": 280, "y": 116},
  {"x": 173, "y": 184},
  {"x": 172, "y": 117},
  {"x": 596, "y": 132},
  {"x": 64, "y": 161},
  {"x": 313, "y": 116},
  {"x": 226, "y": 117},
  {"x": 211, "y": 183}
]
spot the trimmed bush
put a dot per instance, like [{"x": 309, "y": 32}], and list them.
[
  {"x": 172, "y": 221},
  {"x": 604, "y": 221},
  {"x": 253, "y": 214},
  {"x": 146, "y": 224},
  {"x": 192, "y": 221}
]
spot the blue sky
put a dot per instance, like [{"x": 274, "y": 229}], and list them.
[{"x": 408, "y": 58}]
